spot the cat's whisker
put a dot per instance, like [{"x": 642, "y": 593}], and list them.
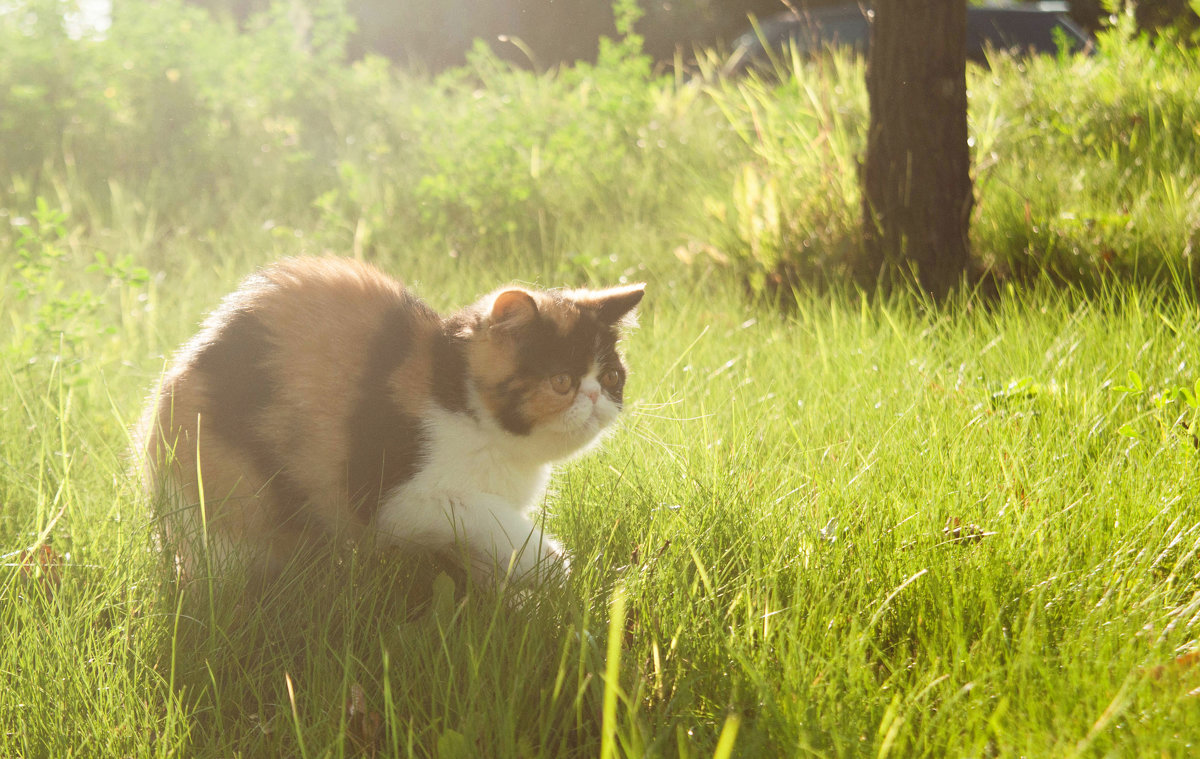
[
  {"x": 644, "y": 405},
  {"x": 671, "y": 449},
  {"x": 644, "y": 415},
  {"x": 646, "y": 410}
]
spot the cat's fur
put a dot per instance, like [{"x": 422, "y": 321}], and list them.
[{"x": 322, "y": 397}]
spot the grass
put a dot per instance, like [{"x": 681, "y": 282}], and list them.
[
  {"x": 864, "y": 528},
  {"x": 853, "y": 527}
]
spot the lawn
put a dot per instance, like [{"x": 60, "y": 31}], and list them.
[
  {"x": 858, "y": 528},
  {"x": 844, "y": 525}
]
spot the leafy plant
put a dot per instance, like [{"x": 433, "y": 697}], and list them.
[
  {"x": 1172, "y": 413},
  {"x": 56, "y": 322}
]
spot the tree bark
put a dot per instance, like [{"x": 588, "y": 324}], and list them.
[{"x": 916, "y": 178}]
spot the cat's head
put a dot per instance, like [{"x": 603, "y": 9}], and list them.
[{"x": 545, "y": 363}]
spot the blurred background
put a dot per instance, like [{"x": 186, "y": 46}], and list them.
[
  {"x": 311, "y": 126},
  {"x": 542, "y": 33}
]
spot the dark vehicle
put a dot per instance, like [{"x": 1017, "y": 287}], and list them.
[{"x": 1028, "y": 28}]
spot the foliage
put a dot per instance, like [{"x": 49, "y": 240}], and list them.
[
  {"x": 173, "y": 107},
  {"x": 53, "y": 325},
  {"x": 1082, "y": 166},
  {"x": 201, "y": 124},
  {"x": 1151, "y": 16},
  {"x": 174, "y": 125},
  {"x": 1088, "y": 171}
]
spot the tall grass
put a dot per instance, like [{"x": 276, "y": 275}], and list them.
[
  {"x": 1085, "y": 167},
  {"x": 865, "y": 528}
]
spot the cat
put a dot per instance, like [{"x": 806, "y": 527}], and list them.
[{"x": 323, "y": 398}]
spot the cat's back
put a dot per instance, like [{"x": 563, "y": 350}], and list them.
[
  {"x": 324, "y": 305},
  {"x": 305, "y": 320},
  {"x": 287, "y": 366}
]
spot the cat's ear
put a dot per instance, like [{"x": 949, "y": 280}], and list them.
[
  {"x": 513, "y": 308},
  {"x": 617, "y": 305}
]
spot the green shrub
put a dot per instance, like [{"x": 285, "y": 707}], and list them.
[
  {"x": 188, "y": 125},
  {"x": 177, "y": 109},
  {"x": 1084, "y": 166},
  {"x": 1087, "y": 166}
]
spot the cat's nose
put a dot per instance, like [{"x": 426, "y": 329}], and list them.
[{"x": 590, "y": 389}]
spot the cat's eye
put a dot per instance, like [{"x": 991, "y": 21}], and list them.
[
  {"x": 561, "y": 383},
  {"x": 610, "y": 379}
]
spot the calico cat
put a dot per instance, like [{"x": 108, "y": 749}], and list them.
[{"x": 322, "y": 398}]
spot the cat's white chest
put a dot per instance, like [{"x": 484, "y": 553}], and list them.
[
  {"x": 475, "y": 484},
  {"x": 462, "y": 456}
]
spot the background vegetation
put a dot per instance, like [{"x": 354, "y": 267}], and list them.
[
  {"x": 853, "y": 526},
  {"x": 550, "y": 32}
]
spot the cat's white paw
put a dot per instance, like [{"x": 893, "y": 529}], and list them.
[{"x": 540, "y": 561}]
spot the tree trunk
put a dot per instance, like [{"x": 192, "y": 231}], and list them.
[{"x": 916, "y": 179}]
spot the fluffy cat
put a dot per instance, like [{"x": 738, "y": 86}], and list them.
[{"x": 323, "y": 398}]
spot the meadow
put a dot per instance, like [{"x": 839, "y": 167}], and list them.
[{"x": 832, "y": 523}]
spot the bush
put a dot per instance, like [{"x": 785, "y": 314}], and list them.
[
  {"x": 1087, "y": 166},
  {"x": 200, "y": 125},
  {"x": 178, "y": 125},
  {"x": 176, "y": 109},
  {"x": 1084, "y": 166}
]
